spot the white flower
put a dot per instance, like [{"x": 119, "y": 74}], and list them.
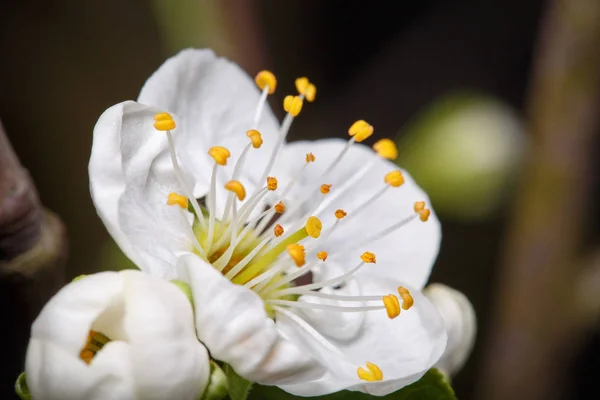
[
  {"x": 276, "y": 215},
  {"x": 461, "y": 325},
  {"x": 116, "y": 335}
]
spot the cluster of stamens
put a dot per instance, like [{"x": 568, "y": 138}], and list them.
[{"x": 249, "y": 254}]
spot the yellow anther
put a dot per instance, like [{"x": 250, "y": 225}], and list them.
[
  {"x": 407, "y": 299},
  {"x": 325, "y": 188},
  {"x": 386, "y": 148},
  {"x": 297, "y": 252},
  {"x": 394, "y": 178},
  {"x": 164, "y": 122},
  {"x": 339, "y": 214},
  {"x": 370, "y": 374},
  {"x": 313, "y": 227},
  {"x": 279, "y": 208},
  {"x": 255, "y": 138},
  {"x": 424, "y": 214},
  {"x": 95, "y": 342},
  {"x": 176, "y": 198},
  {"x": 360, "y": 130},
  {"x": 219, "y": 154},
  {"x": 306, "y": 88},
  {"x": 278, "y": 230},
  {"x": 237, "y": 188},
  {"x": 392, "y": 305},
  {"x": 292, "y": 105},
  {"x": 419, "y": 205},
  {"x": 310, "y": 157},
  {"x": 368, "y": 257},
  {"x": 271, "y": 183},
  {"x": 322, "y": 255},
  {"x": 266, "y": 78}
]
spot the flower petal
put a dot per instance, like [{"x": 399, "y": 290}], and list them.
[
  {"x": 404, "y": 348},
  {"x": 176, "y": 367},
  {"x": 407, "y": 253},
  {"x": 131, "y": 176},
  {"x": 215, "y": 102},
  {"x": 231, "y": 321}
]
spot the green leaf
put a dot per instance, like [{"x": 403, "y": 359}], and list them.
[
  {"x": 218, "y": 386},
  {"x": 432, "y": 386},
  {"x": 238, "y": 386},
  {"x": 21, "y": 387}
]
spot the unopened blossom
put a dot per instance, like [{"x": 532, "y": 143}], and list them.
[
  {"x": 196, "y": 181},
  {"x": 461, "y": 325},
  {"x": 116, "y": 335}
]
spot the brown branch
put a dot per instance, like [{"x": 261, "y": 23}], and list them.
[
  {"x": 32, "y": 255},
  {"x": 535, "y": 329}
]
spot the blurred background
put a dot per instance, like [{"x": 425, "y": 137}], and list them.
[{"x": 494, "y": 106}]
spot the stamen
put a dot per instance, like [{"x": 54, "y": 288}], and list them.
[
  {"x": 298, "y": 254},
  {"x": 424, "y": 214},
  {"x": 264, "y": 292},
  {"x": 219, "y": 154},
  {"x": 325, "y": 307},
  {"x": 222, "y": 261},
  {"x": 292, "y": 105},
  {"x": 306, "y": 88},
  {"x": 339, "y": 213},
  {"x": 310, "y": 157},
  {"x": 278, "y": 230},
  {"x": 368, "y": 257},
  {"x": 394, "y": 178},
  {"x": 175, "y": 198},
  {"x": 314, "y": 227},
  {"x": 164, "y": 122},
  {"x": 322, "y": 255},
  {"x": 392, "y": 305},
  {"x": 212, "y": 207},
  {"x": 95, "y": 342},
  {"x": 239, "y": 266},
  {"x": 407, "y": 299},
  {"x": 360, "y": 130},
  {"x": 386, "y": 148},
  {"x": 255, "y": 138},
  {"x": 237, "y": 188},
  {"x": 271, "y": 183},
  {"x": 325, "y": 188},
  {"x": 371, "y": 374},
  {"x": 338, "y": 297},
  {"x": 266, "y": 79},
  {"x": 279, "y": 208}
]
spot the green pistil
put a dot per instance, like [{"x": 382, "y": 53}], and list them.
[{"x": 260, "y": 263}]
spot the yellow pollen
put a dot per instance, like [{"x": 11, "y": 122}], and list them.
[
  {"x": 325, "y": 188},
  {"x": 392, "y": 306},
  {"x": 370, "y": 374},
  {"x": 419, "y": 205},
  {"x": 219, "y": 154},
  {"x": 386, "y": 148},
  {"x": 339, "y": 214},
  {"x": 292, "y": 105},
  {"x": 407, "y": 299},
  {"x": 176, "y": 198},
  {"x": 278, "y": 230},
  {"x": 297, "y": 252},
  {"x": 279, "y": 208},
  {"x": 368, "y": 257},
  {"x": 271, "y": 183},
  {"x": 313, "y": 227},
  {"x": 266, "y": 78},
  {"x": 394, "y": 178},
  {"x": 164, "y": 122},
  {"x": 237, "y": 188},
  {"x": 255, "y": 138},
  {"x": 310, "y": 157},
  {"x": 424, "y": 214},
  {"x": 360, "y": 130},
  {"x": 306, "y": 88},
  {"x": 95, "y": 342},
  {"x": 322, "y": 255}
]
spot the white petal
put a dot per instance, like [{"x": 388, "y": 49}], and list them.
[
  {"x": 215, "y": 102},
  {"x": 461, "y": 325},
  {"x": 131, "y": 176},
  {"x": 231, "y": 321},
  {"x": 168, "y": 359},
  {"x": 408, "y": 253},
  {"x": 404, "y": 348}
]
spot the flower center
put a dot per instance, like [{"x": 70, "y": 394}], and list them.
[
  {"x": 242, "y": 246},
  {"x": 95, "y": 342}
]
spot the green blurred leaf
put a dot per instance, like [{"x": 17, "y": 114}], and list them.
[
  {"x": 432, "y": 386},
  {"x": 238, "y": 386},
  {"x": 21, "y": 387},
  {"x": 218, "y": 386}
]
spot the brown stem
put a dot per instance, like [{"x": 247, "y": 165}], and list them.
[{"x": 535, "y": 327}]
